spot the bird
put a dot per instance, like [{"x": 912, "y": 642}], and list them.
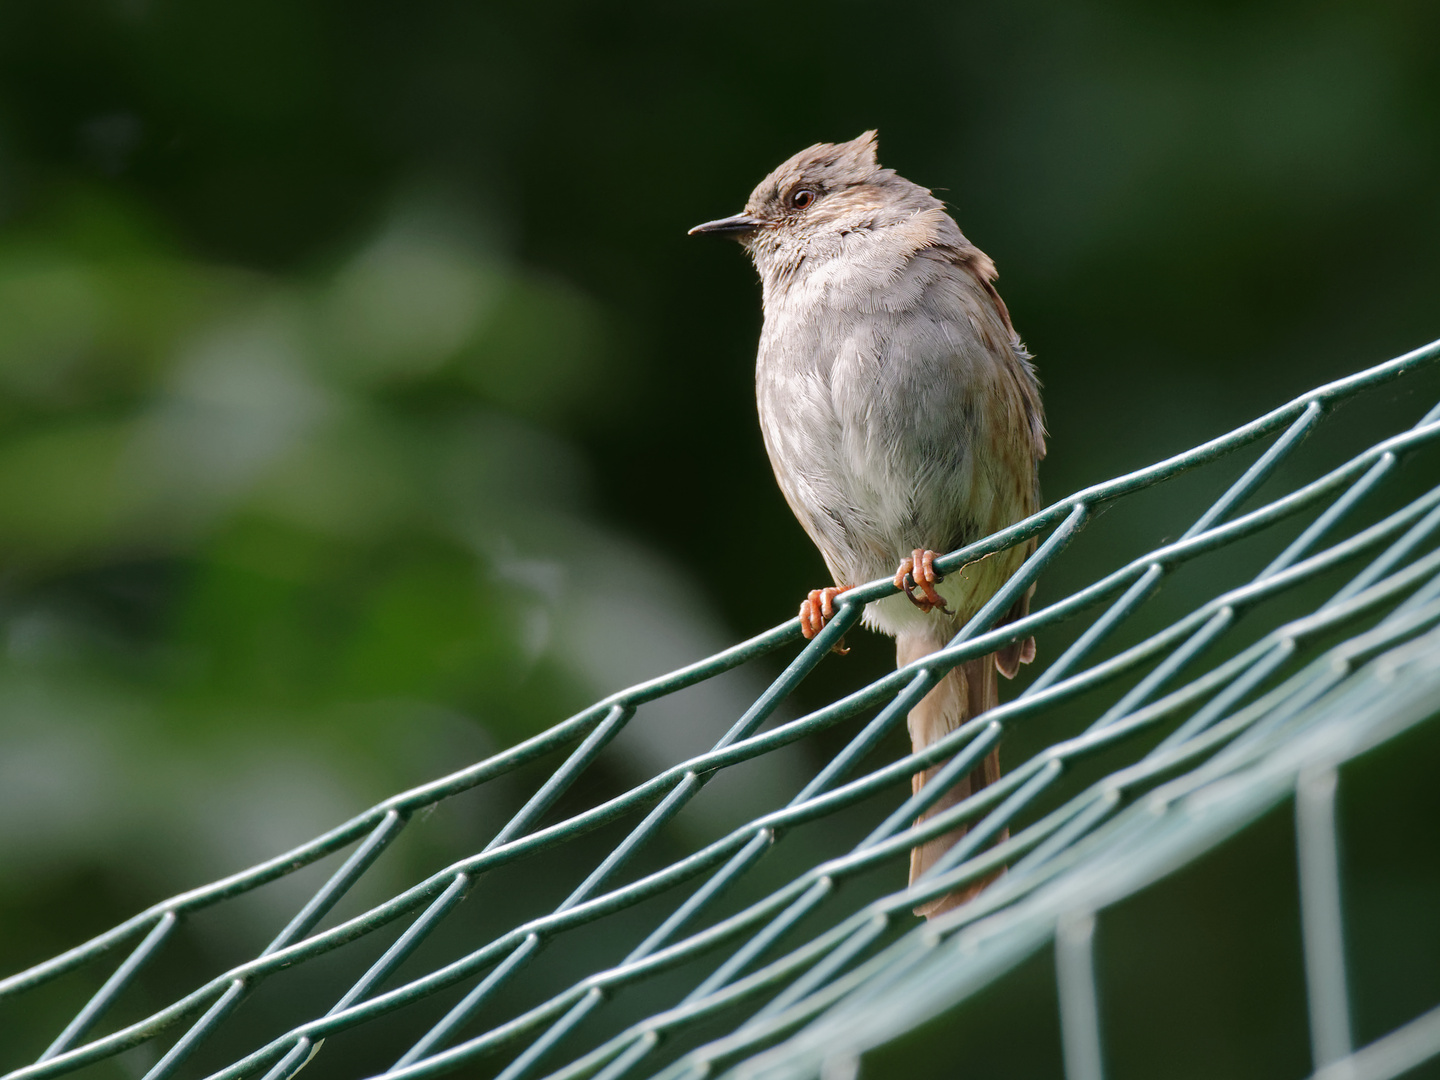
[{"x": 903, "y": 419}]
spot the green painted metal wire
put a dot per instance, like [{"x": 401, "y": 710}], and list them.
[{"x": 801, "y": 977}]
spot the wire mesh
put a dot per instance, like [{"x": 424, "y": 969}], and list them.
[{"x": 1175, "y": 729}]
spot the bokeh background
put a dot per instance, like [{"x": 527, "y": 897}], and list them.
[{"x": 364, "y": 406}]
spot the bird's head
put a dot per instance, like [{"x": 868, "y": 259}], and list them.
[{"x": 822, "y": 194}]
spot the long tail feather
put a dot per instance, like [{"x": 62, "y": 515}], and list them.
[{"x": 966, "y": 692}]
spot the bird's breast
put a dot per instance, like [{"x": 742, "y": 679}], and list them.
[{"x": 885, "y": 393}]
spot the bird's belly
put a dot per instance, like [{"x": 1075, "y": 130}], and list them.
[{"x": 863, "y": 486}]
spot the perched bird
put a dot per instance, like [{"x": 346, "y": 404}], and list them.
[{"x": 901, "y": 413}]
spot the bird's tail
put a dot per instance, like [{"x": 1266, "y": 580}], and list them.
[{"x": 965, "y": 692}]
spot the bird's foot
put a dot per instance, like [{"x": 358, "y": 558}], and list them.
[
  {"x": 817, "y": 609},
  {"x": 918, "y": 572}
]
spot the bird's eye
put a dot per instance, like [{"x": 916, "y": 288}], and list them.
[{"x": 802, "y": 198}]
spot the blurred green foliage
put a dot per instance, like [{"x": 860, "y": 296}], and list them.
[{"x": 364, "y": 407}]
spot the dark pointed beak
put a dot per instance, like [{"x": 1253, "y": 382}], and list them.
[{"x": 736, "y": 226}]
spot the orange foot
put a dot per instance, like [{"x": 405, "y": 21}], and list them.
[
  {"x": 817, "y": 609},
  {"x": 918, "y": 572}
]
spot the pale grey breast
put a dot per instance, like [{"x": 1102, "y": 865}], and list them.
[{"x": 871, "y": 374}]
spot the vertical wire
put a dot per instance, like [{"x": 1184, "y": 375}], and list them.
[
  {"x": 1321, "y": 920},
  {"x": 1079, "y": 1004},
  {"x": 1392, "y": 1055}
]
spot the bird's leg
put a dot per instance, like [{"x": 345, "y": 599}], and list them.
[
  {"x": 817, "y": 609},
  {"x": 918, "y": 572}
]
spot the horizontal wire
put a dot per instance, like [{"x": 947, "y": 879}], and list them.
[
  {"x": 952, "y": 819},
  {"x": 904, "y": 952},
  {"x": 585, "y": 721},
  {"x": 555, "y": 786},
  {"x": 1314, "y": 565},
  {"x": 186, "y": 1004},
  {"x": 835, "y": 868},
  {"x": 1001, "y": 602},
  {"x": 1395, "y": 1054},
  {"x": 106, "y": 995},
  {"x": 574, "y": 727}
]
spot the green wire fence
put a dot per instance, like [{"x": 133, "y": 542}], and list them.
[{"x": 731, "y": 956}]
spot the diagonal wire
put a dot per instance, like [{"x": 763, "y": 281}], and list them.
[
  {"x": 1098, "y": 630},
  {"x": 836, "y": 769},
  {"x": 632, "y": 1059},
  {"x": 869, "y": 932},
  {"x": 390, "y": 827},
  {"x": 1291, "y": 573},
  {"x": 533, "y": 1050},
  {"x": 519, "y": 839}
]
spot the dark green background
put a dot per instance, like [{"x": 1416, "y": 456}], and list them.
[{"x": 364, "y": 406}]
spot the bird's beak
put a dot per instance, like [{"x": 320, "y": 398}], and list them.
[{"x": 736, "y": 226}]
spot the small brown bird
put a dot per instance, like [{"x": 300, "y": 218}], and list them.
[{"x": 901, "y": 413}]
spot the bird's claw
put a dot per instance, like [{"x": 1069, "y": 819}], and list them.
[
  {"x": 917, "y": 571},
  {"x": 817, "y": 609}
]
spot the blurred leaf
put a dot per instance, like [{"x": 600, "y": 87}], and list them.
[
  {"x": 542, "y": 352},
  {"x": 59, "y": 492}
]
